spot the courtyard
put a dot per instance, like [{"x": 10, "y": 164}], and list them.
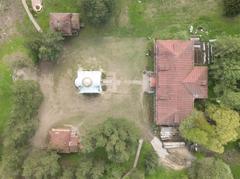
[{"x": 122, "y": 60}]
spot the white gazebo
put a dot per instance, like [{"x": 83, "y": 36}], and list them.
[{"x": 89, "y": 82}]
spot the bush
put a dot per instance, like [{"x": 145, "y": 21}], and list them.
[
  {"x": 98, "y": 12},
  {"x": 46, "y": 46},
  {"x": 151, "y": 162},
  {"x": 210, "y": 168},
  {"x": 231, "y": 7}
]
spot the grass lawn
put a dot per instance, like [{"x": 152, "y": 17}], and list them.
[
  {"x": 11, "y": 46},
  {"x": 152, "y": 18},
  {"x": 5, "y": 98},
  {"x": 163, "y": 173},
  {"x": 56, "y": 6}
]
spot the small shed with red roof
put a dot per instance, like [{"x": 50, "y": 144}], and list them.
[
  {"x": 64, "y": 140},
  {"x": 66, "y": 23},
  {"x": 178, "y": 81}
]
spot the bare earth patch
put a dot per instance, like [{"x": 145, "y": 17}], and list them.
[
  {"x": 11, "y": 12},
  {"x": 125, "y": 58}
]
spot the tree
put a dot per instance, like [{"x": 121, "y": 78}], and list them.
[
  {"x": 214, "y": 129},
  {"x": 27, "y": 98},
  {"x": 117, "y": 137},
  {"x": 90, "y": 169},
  {"x": 210, "y": 168},
  {"x": 41, "y": 164},
  {"x": 231, "y": 99},
  {"x": 231, "y": 7},
  {"x": 98, "y": 12},
  {"x": 225, "y": 68},
  {"x": 46, "y": 46}
]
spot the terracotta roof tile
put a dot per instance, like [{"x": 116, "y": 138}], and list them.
[
  {"x": 63, "y": 140},
  {"x": 178, "y": 81}
]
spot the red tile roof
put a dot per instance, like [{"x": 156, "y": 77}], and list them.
[
  {"x": 178, "y": 81},
  {"x": 66, "y": 23},
  {"x": 64, "y": 140}
]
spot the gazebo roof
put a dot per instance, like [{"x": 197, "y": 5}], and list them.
[{"x": 89, "y": 81}]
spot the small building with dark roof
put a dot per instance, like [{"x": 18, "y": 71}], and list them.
[{"x": 66, "y": 23}]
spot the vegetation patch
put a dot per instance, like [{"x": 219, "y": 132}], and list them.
[{"x": 21, "y": 126}]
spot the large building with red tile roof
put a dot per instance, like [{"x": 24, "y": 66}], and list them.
[
  {"x": 178, "y": 81},
  {"x": 64, "y": 140}
]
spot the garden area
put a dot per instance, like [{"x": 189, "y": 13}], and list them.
[{"x": 117, "y": 42}]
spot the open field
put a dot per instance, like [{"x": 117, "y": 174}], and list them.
[{"x": 123, "y": 60}]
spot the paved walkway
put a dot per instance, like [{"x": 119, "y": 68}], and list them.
[{"x": 38, "y": 28}]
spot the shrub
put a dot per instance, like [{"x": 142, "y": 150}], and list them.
[
  {"x": 46, "y": 46},
  {"x": 98, "y": 12},
  {"x": 151, "y": 162}
]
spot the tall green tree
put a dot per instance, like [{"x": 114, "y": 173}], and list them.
[
  {"x": 98, "y": 12},
  {"x": 46, "y": 46},
  {"x": 41, "y": 164},
  {"x": 224, "y": 71},
  {"x": 231, "y": 98},
  {"x": 225, "y": 68},
  {"x": 117, "y": 137},
  {"x": 214, "y": 129},
  {"x": 210, "y": 168}
]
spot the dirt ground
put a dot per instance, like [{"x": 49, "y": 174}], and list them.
[
  {"x": 11, "y": 13},
  {"x": 122, "y": 59}
]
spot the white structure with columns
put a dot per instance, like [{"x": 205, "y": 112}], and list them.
[{"x": 89, "y": 82}]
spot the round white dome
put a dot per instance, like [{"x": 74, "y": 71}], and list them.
[{"x": 87, "y": 82}]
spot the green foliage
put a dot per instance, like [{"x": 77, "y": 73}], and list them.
[
  {"x": 212, "y": 133},
  {"x": 231, "y": 99},
  {"x": 21, "y": 126},
  {"x": 68, "y": 174},
  {"x": 224, "y": 72},
  {"x": 46, "y": 46},
  {"x": 164, "y": 173},
  {"x": 139, "y": 174},
  {"x": 151, "y": 162},
  {"x": 210, "y": 168},
  {"x": 98, "y": 12},
  {"x": 117, "y": 137},
  {"x": 5, "y": 95},
  {"x": 231, "y": 7},
  {"x": 90, "y": 169},
  {"x": 41, "y": 164}
]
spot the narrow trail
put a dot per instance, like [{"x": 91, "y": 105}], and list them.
[{"x": 38, "y": 28}]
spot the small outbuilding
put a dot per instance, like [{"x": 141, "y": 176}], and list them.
[
  {"x": 89, "y": 82},
  {"x": 64, "y": 140},
  {"x": 66, "y": 23}
]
